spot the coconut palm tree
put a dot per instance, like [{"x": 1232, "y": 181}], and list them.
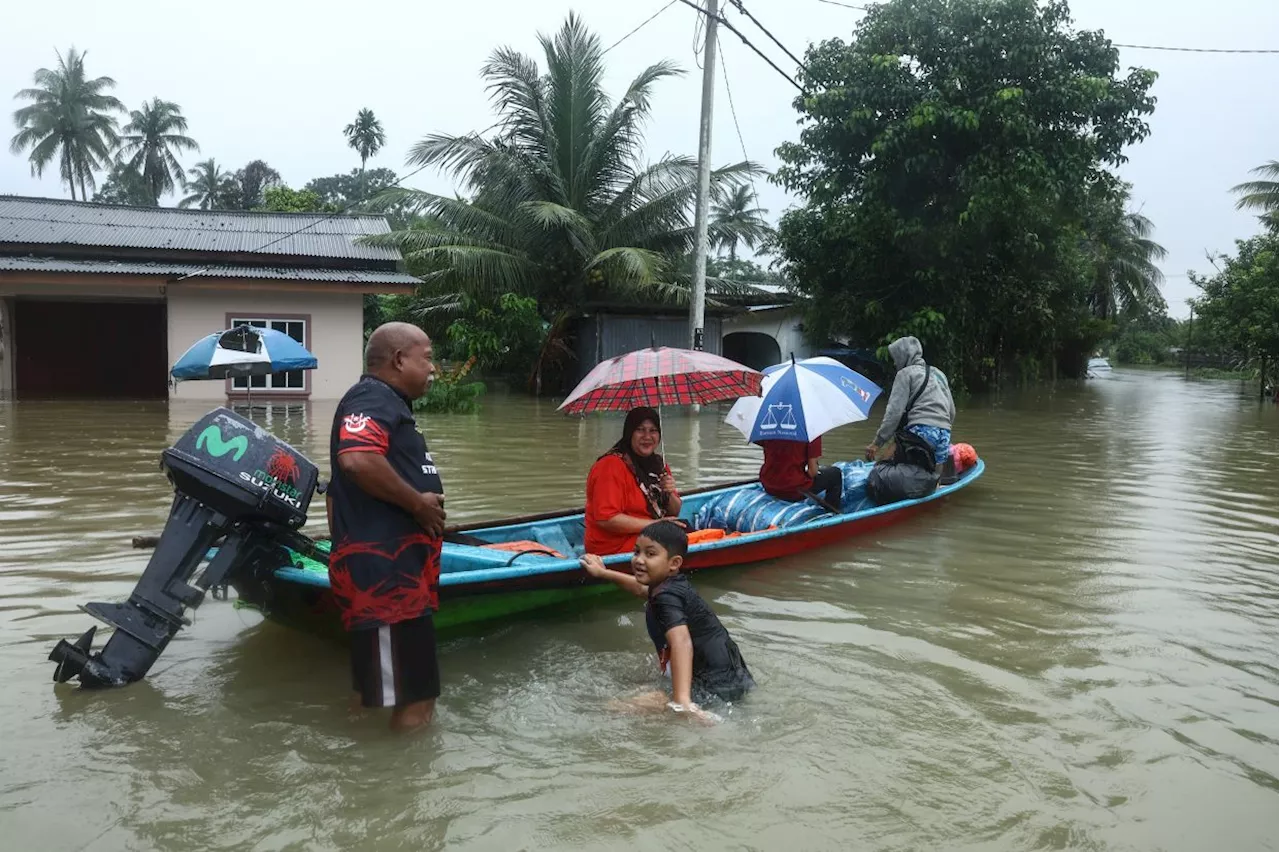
[
  {"x": 209, "y": 186},
  {"x": 1124, "y": 260},
  {"x": 150, "y": 139},
  {"x": 1263, "y": 194},
  {"x": 559, "y": 203},
  {"x": 740, "y": 221},
  {"x": 365, "y": 135},
  {"x": 69, "y": 120}
]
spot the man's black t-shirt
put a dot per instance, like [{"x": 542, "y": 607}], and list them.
[
  {"x": 718, "y": 667},
  {"x": 383, "y": 568}
]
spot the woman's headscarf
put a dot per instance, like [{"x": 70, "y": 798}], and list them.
[{"x": 648, "y": 470}]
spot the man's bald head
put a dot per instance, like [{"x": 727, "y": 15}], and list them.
[
  {"x": 399, "y": 354},
  {"x": 389, "y": 338}
]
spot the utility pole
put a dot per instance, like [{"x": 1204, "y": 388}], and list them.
[{"x": 698, "y": 299}]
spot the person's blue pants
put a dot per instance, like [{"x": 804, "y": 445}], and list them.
[{"x": 938, "y": 438}]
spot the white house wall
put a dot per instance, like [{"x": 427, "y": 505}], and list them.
[
  {"x": 782, "y": 324},
  {"x": 335, "y": 332}
]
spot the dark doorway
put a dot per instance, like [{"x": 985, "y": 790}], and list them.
[
  {"x": 753, "y": 349},
  {"x": 90, "y": 350}
]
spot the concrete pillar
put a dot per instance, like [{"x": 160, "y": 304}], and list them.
[{"x": 7, "y": 354}]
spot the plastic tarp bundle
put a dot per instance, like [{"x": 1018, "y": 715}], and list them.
[
  {"x": 854, "y": 484},
  {"x": 749, "y": 509}
]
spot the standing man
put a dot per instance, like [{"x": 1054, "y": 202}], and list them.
[{"x": 387, "y": 522}]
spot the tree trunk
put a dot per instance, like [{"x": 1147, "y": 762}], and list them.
[{"x": 69, "y": 169}]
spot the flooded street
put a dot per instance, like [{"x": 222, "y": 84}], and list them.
[{"x": 1079, "y": 651}]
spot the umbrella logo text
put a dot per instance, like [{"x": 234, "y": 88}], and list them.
[
  {"x": 211, "y": 442},
  {"x": 845, "y": 382},
  {"x": 771, "y": 421}
]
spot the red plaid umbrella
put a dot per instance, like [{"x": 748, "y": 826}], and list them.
[{"x": 661, "y": 376}]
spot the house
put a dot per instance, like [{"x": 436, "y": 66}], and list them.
[
  {"x": 766, "y": 331},
  {"x": 757, "y": 326},
  {"x": 98, "y": 300}
]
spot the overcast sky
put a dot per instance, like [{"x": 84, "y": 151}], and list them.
[{"x": 279, "y": 80}]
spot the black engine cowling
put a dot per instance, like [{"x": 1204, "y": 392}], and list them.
[{"x": 236, "y": 486}]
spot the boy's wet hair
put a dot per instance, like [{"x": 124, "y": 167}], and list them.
[{"x": 670, "y": 537}]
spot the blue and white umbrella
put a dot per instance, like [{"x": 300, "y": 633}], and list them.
[
  {"x": 800, "y": 400},
  {"x": 242, "y": 351}
]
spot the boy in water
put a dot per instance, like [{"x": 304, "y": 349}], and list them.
[{"x": 704, "y": 659}]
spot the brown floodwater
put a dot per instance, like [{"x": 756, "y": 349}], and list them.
[{"x": 1080, "y": 651}]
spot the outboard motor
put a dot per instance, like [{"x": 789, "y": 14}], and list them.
[{"x": 233, "y": 481}]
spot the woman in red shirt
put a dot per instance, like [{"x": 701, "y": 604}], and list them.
[{"x": 629, "y": 487}]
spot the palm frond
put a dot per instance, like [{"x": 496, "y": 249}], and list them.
[{"x": 1261, "y": 195}]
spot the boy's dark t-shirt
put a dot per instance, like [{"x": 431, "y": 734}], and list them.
[
  {"x": 383, "y": 568},
  {"x": 718, "y": 667}
]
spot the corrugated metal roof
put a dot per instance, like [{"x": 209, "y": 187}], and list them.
[
  {"x": 48, "y": 221},
  {"x": 348, "y": 276}
]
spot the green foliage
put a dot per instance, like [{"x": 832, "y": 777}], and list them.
[
  {"x": 151, "y": 138},
  {"x": 246, "y": 190},
  {"x": 952, "y": 158},
  {"x": 739, "y": 221},
  {"x": 1217, "y": 374},
  {"x": 124, "y": 186},
  {"x": 282, "y": 199},
  {"x": 1149, "y": 340},
  {"x": 1122, "y": 253},
  {"x": 353, "y": 187},
  {"x": 560, "y": 205},
  {"x": 504, "y": 337},
  {"x": 69, "y": 120},
  {"x": 1237, "y": 313},
  {"x": 208, "y": 185},
  {"x": 449, "y": 398},
  {"x": 1262, "y": 195},
  {"x": 450, "y": 394}
]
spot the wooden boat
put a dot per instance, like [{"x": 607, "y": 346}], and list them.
[{"x": 497, "y": 569}]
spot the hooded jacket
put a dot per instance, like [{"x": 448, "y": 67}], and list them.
[{"x": 935, "y": 407}]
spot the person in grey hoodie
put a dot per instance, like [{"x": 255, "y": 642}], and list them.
[{"x": 932, "y": 414}]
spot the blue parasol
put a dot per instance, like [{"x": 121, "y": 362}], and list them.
[{"x": 243, "y": 351}]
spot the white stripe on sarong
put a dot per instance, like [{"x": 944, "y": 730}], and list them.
[{"x": 388, "y": 671}]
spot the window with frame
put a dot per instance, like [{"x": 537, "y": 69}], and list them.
[{"x": 289, "y": 380}]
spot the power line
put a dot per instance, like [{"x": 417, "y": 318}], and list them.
[
  {"x": 1189, "y": 49},
  {"x": 699, "y": 39},
  {"x": 344, "y": 211},
  {"x": 731, "y": 28},
  {"x": 724, "y": 69},
  {"x": 846, "y": 5},
  {"x": 743, "y": 9},
  {"x": 642, "y": 25}
]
